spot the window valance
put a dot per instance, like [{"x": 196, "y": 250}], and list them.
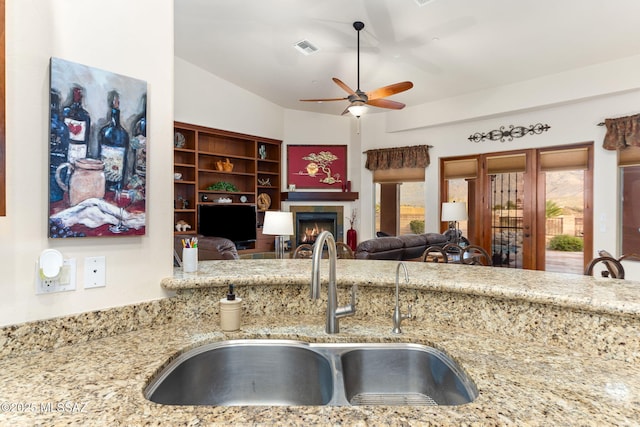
[
  {"x": 416, "y": 156},
  {"x": 622, "y": 132}
]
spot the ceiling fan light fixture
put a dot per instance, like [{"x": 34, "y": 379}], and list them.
[
  {"x": 358, "y": 109},
  {"x": 358, "y": 98}
]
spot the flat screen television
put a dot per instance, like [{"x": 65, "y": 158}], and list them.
[{"x": 234, "y": 222}]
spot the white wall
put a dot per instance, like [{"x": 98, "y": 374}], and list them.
[
  {"x": 207, "y": 100},
  {"x": 570, "y": 86},
  {"x": 119, "y": 36}
]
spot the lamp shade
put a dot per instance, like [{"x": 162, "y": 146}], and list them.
[
  {"x": 358, "y": 109},
  {"x": 278, "y": 223},
  {"x": 452, "y": 211}
]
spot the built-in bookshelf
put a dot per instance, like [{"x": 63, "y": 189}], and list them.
[{"x": 211, "y": 165}]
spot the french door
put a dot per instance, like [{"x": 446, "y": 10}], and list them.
[{"x": 521, "y": 202}]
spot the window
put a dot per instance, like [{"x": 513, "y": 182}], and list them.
[
  {"x": 398, "y": 174},
  {"x": 412, "y": 196},
  {"x": 630, "y": 210},
  {"x": 400, "y": 207}
]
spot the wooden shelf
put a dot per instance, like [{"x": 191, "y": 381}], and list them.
[
  {"x": 197, "y": 161},
  {"x": 319, "y": 196}
]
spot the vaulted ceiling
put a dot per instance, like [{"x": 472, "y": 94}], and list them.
[{"x": 445, "y": 47}]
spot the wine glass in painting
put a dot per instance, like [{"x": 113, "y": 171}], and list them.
[{"x": 123, "y": 199}]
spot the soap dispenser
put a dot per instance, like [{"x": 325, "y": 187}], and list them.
[{"x": 230, "y": 311}]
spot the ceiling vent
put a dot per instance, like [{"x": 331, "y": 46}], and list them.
[
  {"x": 423, "y": 2},
  {"x": 306, "y": 47}
]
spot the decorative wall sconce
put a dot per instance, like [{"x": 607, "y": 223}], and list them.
[{"x": 508, "y": 134}]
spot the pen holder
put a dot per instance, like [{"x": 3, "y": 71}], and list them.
[{"x": 189, "y": 260}]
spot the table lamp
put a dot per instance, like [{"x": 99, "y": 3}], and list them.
[
  {"x": 279, "y": 224},
  {"x": 453, "y": 213}
]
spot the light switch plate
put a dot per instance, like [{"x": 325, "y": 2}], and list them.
[{"x": 95, "y": 275}]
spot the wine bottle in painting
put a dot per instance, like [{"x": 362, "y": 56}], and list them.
[
  {"x": 58, "y": 145},
  {"x": 78, "y": 121},
  {"x": 113, "y": 142},
  {"x": 139, "y": 142}
]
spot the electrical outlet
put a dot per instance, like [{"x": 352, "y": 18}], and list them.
[
  {"x": 95, "y": 272},
  {"x": 65, "y": 281}
]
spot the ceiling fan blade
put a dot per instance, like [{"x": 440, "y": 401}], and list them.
[
  {"x": 386, "y": 103},
  {"x": 346, "y": 111},
  {"x": 324, "y": 99},
  {"x": 344, "y": 86},
  {"x": 385, "y": 91}
]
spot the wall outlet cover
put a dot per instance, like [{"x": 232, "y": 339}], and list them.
[
  {"x": 95, "y": 272},
  {"x": 65, "y": 281}
]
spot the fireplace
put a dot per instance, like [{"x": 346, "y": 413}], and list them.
[
  {"x": 310, "y": 221},
  {"x": 310, "y": 224}
]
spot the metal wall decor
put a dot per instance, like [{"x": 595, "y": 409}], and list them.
[{"x": 503, "y": 135}]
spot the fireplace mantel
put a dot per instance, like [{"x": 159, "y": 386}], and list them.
[{"x": 319, "y": 196}]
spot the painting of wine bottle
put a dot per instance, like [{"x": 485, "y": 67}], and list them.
[{"x": 97, "y": 152}]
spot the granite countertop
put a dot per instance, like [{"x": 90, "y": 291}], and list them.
[
  {"x": 559, "y": 289},
  {"x": 520, "y": 382}
]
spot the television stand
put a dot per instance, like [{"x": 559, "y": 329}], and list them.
[{"x": 243, "y": 246}]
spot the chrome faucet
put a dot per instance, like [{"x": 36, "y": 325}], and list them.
[
  {"x": 333, "y": 311},
  {"x": 397, "y": 316}
]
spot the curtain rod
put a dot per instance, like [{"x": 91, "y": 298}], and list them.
[{"x": 634, "y": 116}]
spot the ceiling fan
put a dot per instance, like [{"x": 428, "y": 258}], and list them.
[{"x": 359, "y": 99}]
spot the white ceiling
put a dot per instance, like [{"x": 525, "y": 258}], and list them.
[{"x": 446, "y": 47}]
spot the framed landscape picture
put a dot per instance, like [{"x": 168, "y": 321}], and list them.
[{"x": 317, "y": 166}]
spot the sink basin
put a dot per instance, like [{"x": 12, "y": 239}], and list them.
[
  {"x": 235, "y": 373},
  {"x": 409, "y": 375},
  {"x": 284, "y": 372}
]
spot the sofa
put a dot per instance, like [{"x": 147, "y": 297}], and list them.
[
  {"x": 208, "y": 247},
  {"x": 399, "y": 248}
]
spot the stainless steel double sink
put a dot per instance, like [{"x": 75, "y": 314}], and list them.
[{"x": 284, "y": 372}]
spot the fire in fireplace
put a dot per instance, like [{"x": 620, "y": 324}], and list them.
[{"x": 310, "y": 224}]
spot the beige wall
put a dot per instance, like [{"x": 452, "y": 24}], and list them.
[{"x": 133, "y": 38}]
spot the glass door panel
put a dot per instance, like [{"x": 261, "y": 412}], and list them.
[
  {"x": 507, "y": 225},
  {"x": 564, "y": 221}
]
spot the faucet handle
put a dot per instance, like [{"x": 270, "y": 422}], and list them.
[
  {"x": 408, "y": 315},
  {"x": 348, "y": 310},
  {"x": 354, "y": 289}
]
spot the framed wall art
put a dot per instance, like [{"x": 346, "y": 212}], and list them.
[
  {"x": 97, "y": 152},
  {"x": 317, "y": 166},
  {"x": 3, "y": 161}
]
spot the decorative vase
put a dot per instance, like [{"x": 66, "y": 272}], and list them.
[{"x": 352, "y": 239}]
